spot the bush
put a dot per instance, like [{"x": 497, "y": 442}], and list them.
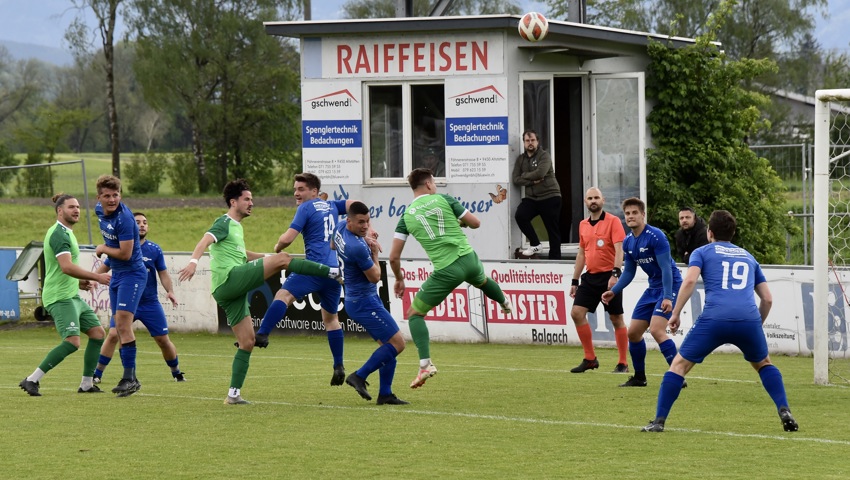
[
  {"x": 183, "y": 174},
  {"x": 146, "y": 172},
  {"x": 6, "y": 176},
  {"x": 35, "y": 182}
]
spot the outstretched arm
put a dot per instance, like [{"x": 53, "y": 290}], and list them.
[
  {"x": 168, "y": 285},
  {"x": 189, "y": 270}
]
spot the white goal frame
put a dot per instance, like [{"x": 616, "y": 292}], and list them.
[{"x": 820, "y": 244}]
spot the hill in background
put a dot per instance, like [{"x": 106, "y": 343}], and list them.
[{"x": 51, "y": 55}]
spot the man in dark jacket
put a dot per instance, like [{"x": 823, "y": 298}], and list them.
[
  {"x": 534, "y": 171},
  {"x": 691, "y": 234}
]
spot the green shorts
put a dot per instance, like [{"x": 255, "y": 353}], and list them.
[
  {"x": 231, "y": 295},
  {"x": 440, "y": 284},
  {"x": 72, "y": 316}
]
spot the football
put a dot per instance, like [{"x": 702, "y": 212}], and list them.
[{"x": 533, "y": 27}]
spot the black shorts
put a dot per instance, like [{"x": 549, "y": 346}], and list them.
[{"x": 590, "y": 290}]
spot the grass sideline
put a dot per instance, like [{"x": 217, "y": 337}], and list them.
[
  {"x": 174, "y": 229},
  {"x": 493, "y": 411}
]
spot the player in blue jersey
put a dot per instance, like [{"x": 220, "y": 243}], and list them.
[
  {"x": 315, "y": 219},
  {"x": 150, "y": 311},
  {"x": 730, "y": 315},
  {"x": 647, "y": 247},
  {"x": 129, "y": 276},
  {"x": 361, "y": 270}
]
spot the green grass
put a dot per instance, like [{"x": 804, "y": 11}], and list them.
[
  {"x": 174, "y": 229},
  {"x": 494, "y": 411}
]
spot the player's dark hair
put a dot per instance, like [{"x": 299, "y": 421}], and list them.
[
  {"x": 531, "y": 132},
  {"x": 358, "y": 208},
  {"x": 418, "y": 176},
  {"x": 140, "y": 213},
  {"x": 59, "y": 200},
  {"x": 312, "y": 181},
  {"x": 722, "y": 225},
  {"x": 234, "y": 189},
  {"x": 688, "y": 209},
  {"x": 634, "y": 201},
  {"x": 108, "y": 181}
]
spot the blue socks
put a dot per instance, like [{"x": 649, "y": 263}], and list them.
[
  {"x": 771, "y": 378},
  {"x": 382, "y": 356},
  {"x": 128, "y": 359},
  {"x": 668, "y": 349},
  {"x": 274, "y": 314},
  {"x": 335, "y": 341},
  {"x": 638, "y": 352},
  {"x": 387, "y": 372},
  {"x": 671, "y": 386}
]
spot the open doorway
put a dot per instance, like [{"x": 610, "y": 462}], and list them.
[{"x": 553, "y": 107}]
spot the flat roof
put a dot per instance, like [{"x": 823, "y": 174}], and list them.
[{"x": 297, "y": 29}]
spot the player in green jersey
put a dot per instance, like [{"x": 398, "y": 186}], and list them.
[
  {"x": 435, "y": 221},
  {"x": 236, "y": 271},
  {"x": 61, "y": 296}
]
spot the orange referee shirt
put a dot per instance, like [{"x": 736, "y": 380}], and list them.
[{"x": 598, "y": 241}]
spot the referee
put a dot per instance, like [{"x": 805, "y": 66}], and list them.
[{"x": 601, "y": 251}]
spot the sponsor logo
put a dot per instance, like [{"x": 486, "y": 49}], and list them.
[
  {"x": 327, "y": 101},
  {"x": 491, "y": 95}
]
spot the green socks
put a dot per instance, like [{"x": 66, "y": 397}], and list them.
[
  {"x": 240, "y": 368},
  {"x": 307, "y": 267},
  {"x": 493, "y": 290},
  {"x": 91, "y": 355},
  {"x": 58, "y": 354},
  {"x": 421, "y": 337}
]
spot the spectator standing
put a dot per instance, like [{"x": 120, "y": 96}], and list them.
[
  {"x": 534, "y": 171},
  {"x": 691, "y": 233}
]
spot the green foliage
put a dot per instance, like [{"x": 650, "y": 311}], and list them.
[
  {"x": 145, "y": 173},
  {"x": 699, "y": 124},
  {"x": 183, "y": 174},
  {"x": 35, "y": 182},
  {"x": 421, "y": 8},
  {"x": 6, "y": 176}
]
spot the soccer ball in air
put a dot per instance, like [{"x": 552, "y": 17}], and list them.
[{"x": 533, "y": 27}]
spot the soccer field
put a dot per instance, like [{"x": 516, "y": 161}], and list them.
[{"x": 493, "y": 411}]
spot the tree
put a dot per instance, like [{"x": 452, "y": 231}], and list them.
[
  {"x": 699, "y": 123},
  {"x": 106, "y": 12},
  {"x": 215, "y": 61},
  {"x": 421, "y": 8},
  {"x": 21, "y": 84}
]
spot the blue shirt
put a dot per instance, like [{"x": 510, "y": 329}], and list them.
[
  {"x": 316, "y": 220},
  {"x": 651, "y": 251},
  {"x": 730, "y": 275},
  {"x": 356, "y": 257},
  {"x": 119, "y": 226},
  {"x": 154, "y": 262}
]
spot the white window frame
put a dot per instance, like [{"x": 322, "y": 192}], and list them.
[{"x": 407, "y": 128}]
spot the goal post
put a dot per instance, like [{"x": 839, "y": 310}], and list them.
[{"x": 831, "y": 242}]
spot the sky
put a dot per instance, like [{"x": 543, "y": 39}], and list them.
[{"x": 43, "y": 22}]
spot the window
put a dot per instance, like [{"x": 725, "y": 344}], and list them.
[{"x": 395, "y": 110}]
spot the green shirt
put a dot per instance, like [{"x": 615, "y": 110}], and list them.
[
  {"x": 58, "y": 285},
  {"x": 433, "y": 222},
  {"x": 228, "y": 251}
]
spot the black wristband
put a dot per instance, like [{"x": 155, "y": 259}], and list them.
[
  {"x": 616, "y": 272},
  {"x": 575, "y": 282}
]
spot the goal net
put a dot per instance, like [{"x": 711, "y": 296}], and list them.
[{"x": 831, "y": 242}]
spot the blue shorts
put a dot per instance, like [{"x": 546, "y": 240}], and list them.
[
  {"x": 328, "y": 289},
  {"x": 707, "y": 335},
  {"x": 649, "y": 304},
  {"x": 125, "y": 290},
  {"x": 152, "y": 316},
  {"x": 371, "y": 314}
]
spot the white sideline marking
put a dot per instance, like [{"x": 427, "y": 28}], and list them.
[{"x": 789, "y": 437}]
